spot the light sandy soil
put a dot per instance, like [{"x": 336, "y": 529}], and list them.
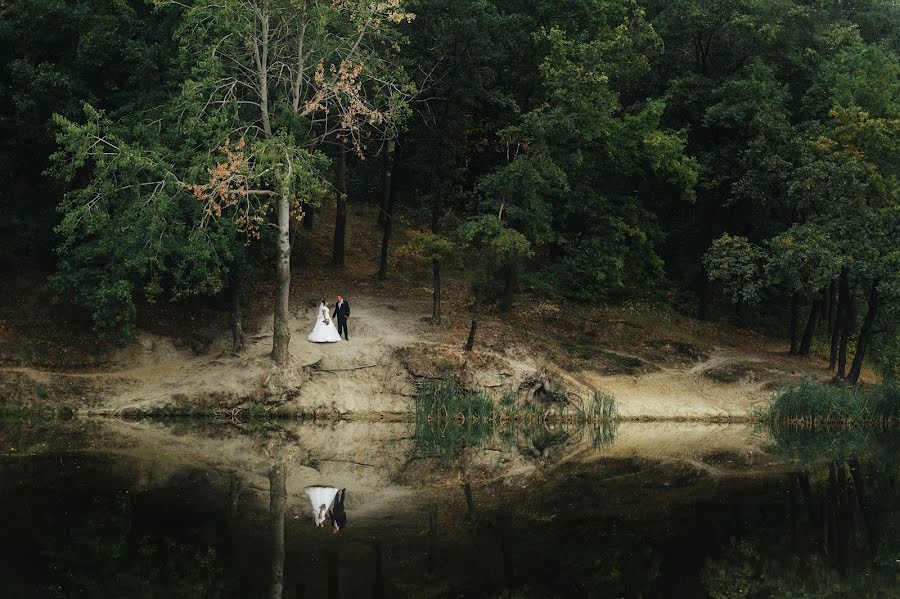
[{"x": 366, "y": 375}]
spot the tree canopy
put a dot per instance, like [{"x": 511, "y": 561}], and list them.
[{"x": 717, "y": 154}]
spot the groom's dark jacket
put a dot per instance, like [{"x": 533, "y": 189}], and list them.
[{"x": 341, "y": 310}]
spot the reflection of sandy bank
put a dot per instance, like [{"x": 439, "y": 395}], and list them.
[
  {"x": 734, "y": 444},
  {"x": 359, "y": 456},
  {"x": 376, "y": 461}
]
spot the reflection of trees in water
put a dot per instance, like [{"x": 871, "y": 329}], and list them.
[
  {"x": 842, "y": 541},
  {"x": 104, "y": 558},
  {"x": 277, "y": 501}
]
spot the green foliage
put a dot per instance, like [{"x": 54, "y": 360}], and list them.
[
  {"x": 132, "y": 229},
  {"x": 491, "y": 244},
  {"x": 428, "y": 245},
  {"x": 738, "y": 265},
  {"x": 804, "y": 258},
  {"x": 812, "y": 404}
]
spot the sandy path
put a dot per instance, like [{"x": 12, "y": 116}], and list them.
[{"x": 376, "y": 330}]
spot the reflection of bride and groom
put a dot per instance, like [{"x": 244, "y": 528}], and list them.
[
  {"x": 325, "y": 330},
  {"x": 321, "y": 499}
]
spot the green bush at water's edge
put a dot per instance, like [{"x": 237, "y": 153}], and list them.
[{"x": 812, "y": 404}]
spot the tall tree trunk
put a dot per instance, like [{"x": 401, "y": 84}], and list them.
[
  {"x": 865, "y": 333},
  {"x": 704, "y": 298},
  {"x": 476, "y": 311},
  {"x": 282, "y": 333},
  {"x": 840, "y": 319},
  {"x": 436, "y": 291},
  {"x": 740, "y": 312},
  {"x": 847, "y": 325},
  {"x": 378, "y": 588},
  {"x": 309, "y": 214},
  {"x": 261, "y": 56},
  {"x": 833, "y": 327},
  {"x": 384, "y": 210},
  {"x": 435, "y": 270},
  {"x": 237, "y": 329},
  {"x": 795, "y": 320},
  {"x": 334, "y": 573},
  {"x": 277, "y": 498},
  {"x": 806, "y": 342},
  {"x": 432, "y": 542},
  {"x": 509, "y": 288},
  {"x": 387, "y": 208},
  {"x": 340, "y": 213}
]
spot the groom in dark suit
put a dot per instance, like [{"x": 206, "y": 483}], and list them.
[{"x": 341, "y": 314}]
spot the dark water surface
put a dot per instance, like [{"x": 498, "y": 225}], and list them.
[{"x": 111, "y": 509}]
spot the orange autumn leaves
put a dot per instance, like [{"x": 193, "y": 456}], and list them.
[{"x": 229, "y": 188}]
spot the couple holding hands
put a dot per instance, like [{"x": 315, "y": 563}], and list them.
[{"x": 324, "y": 330}]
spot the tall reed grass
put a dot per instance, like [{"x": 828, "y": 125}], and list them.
[
  {"x": 449, "y": 419},
  {"x": 812, "y": 405}
]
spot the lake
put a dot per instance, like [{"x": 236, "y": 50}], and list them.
[{"x": 113, "y": 508}]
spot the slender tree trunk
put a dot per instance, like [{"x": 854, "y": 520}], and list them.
[
  {"x": 740, "y": 312},
  {"x": 435, "y": 270},
  {"x": 806, "y": 342},
  {"x": 436, "y": 291},
  {"x": 340, "y": 213},
  {"x": 476, "y": 311},
  {"x": 833, "y": 328},
  {"x": 432, "y": 542},
  {"x": 277, "y": 498},
  {"x": 387, "y": 208},
  {"x": 334, "y": 573},
  {"x": 384, "y": 210},
  {"x": 237, "y": 329},
  {"x": 704, "y": 299},
  {"x": 865, "y": 333},
  {"x": 309, "y": 214},
  {"x": 282, "y": 333},
  {"x": 795, "y": 320},
  {"x": 847, "y": 325},
  {"x": 261, "y": 56},
  {"x": 378, "y": 588},
  {"x": 826, "y": 306},
  {"x": 509, "y": 572},
  {"x": 509, "y": 288},
  {"x": 840, "y": 318}
]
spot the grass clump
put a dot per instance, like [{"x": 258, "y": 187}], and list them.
[
  {"x": 450, "y": 418},
  {"x": 603, "y": 418},
  {"x": 811, "y": 405}
]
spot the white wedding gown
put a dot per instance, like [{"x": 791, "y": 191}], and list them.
[
  {"x": 320, "y": 496},
  {"x": 324, "y": 333}
]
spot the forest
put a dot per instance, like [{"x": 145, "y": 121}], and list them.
[{"x": 733, "y": 159}]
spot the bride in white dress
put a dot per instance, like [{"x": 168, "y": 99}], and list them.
[
  {"x": 324, "y": 330},
  {"x": 321, "y": 498}
]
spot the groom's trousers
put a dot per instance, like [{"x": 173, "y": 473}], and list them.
[{"x": 342, "y": 328}]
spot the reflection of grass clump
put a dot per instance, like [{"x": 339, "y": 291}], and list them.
[
  {"x": 450, "y": 418},
  {"x": 811, "y": 405},
  {"x": 814, "y": 445},
  {"x": 603, "y": 417}
]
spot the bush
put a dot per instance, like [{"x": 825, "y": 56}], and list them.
[{"x": 810, "y": 404}]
